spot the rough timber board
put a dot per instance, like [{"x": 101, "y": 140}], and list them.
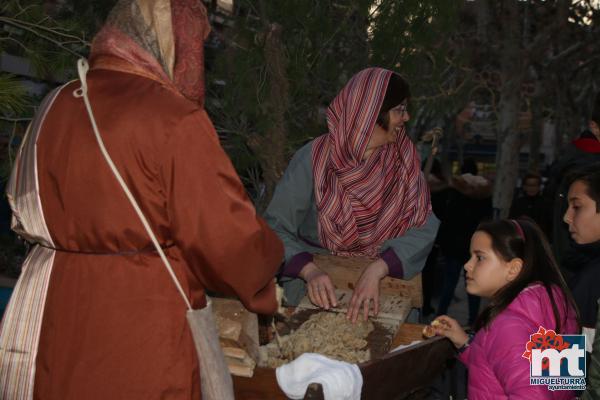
[
  {"x": 394, "y": 376},
  {"x": 393, "y": 307},
  {"x": 345, "y": 271},
  {"x": 238, "y": 328},
  {"x": 407, "y": 370}
]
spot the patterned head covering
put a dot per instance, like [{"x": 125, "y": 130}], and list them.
[
  {"x": 363, "y": 203},
  {"x": 159, "y": 39}
]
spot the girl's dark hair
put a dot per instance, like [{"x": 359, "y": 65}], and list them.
[
  {"x": 539, "y": 265},
  {"x": 397, "y": 90}
]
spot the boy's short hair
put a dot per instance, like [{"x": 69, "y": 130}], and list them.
[
  {"x": 590, "y": 175},
  {"x": 532, "y": 175}
]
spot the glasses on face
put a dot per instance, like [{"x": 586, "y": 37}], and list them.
[{"x": 402, "y": 108}]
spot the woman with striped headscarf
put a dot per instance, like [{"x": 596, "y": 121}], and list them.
[{"x": 355, "y": 191}]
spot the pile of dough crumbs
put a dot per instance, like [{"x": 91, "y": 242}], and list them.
[{"x": 330, "y": 334}]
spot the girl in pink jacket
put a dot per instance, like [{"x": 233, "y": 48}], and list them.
[{"x": 511, "y": 264}]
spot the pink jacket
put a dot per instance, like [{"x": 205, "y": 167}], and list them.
[{"x": 496, "y": 368}]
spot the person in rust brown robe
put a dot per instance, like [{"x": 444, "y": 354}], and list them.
[{"x": 95, "y": 314}]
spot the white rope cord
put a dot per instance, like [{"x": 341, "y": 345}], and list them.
[{"x": 82, "y": 69}]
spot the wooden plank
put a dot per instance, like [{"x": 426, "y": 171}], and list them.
[
  {"x": 391, "y": 306},
  {"x": 232, "y": 349},
  {"x": 263, "y": 385},
  {"x": 345, "y": 271},
  {"x": 418, "y": 365},
  {"x": 238, "y": 335},
  {"x": 407, "y": 334},
  {"x": 314, "y": 392},
  {"x": 237, "y": 367},
  {"x": 389, "y": 377}
]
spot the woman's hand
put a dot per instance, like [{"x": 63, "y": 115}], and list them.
[
  {"x": 367, "y": 290},
  {"x": 450, "y": 328},
  {"x": 321, "y": 291}
]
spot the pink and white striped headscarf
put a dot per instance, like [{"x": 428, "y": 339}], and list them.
[{"x": 363, "y": 203}]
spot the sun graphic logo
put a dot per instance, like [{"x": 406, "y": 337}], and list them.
[{"x": 557, "y": 361}]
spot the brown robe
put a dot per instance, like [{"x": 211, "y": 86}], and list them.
[{"x": 114, "y": 325}]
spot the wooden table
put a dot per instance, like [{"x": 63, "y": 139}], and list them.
[
  {"x": 390, "y": 377},
  {"x": 405, "y": 371}
]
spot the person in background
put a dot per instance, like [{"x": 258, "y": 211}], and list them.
[
  {"x": 438, "y": 188},
  {"x": 467, "y": 202},
  {"x": 356, "y": 191},
  {"x": 531, "y": 202},
  {"x": 583, "y": 151},
  {"x": 512, "y": 265},
  {"x": 95, "y": 314},
  {"x": 583, "y": 219}
]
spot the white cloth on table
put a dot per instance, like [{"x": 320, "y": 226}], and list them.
[{"x": 340, "y": 380}]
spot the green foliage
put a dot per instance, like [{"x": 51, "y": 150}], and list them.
[
  {"x": 321, "y": 57},
  {"x": 87, "y": 17},
  {"x": 13, "y": 97},
  {"x": 13, "y": 102},
  {"x": 31, "y": 30},
  {"x": 50, "y": 39},
  {"x": 418, "y": 40},
  {"x": 326, "y": 42}
]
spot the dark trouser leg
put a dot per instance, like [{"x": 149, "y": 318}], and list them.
[
  {"x": 451, "y": 274},
  {"x": 429, "y": 279}
]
